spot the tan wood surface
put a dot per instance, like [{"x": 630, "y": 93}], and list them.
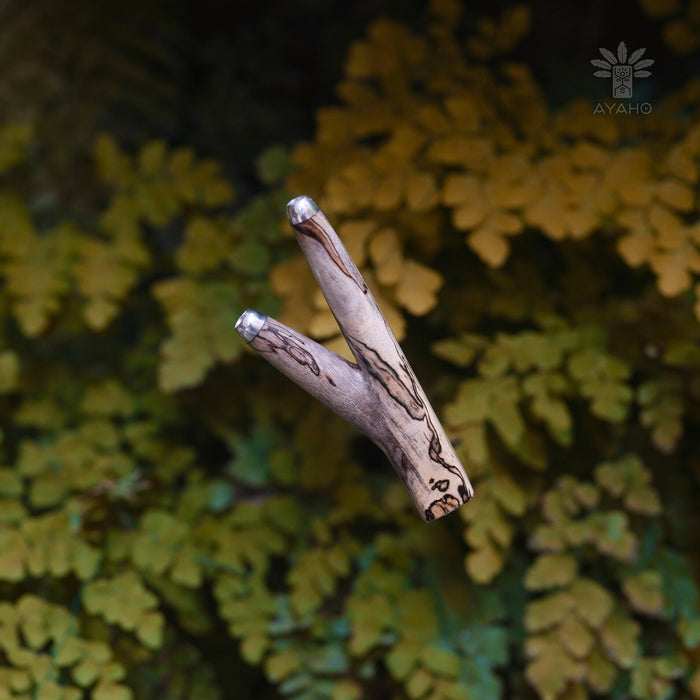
[{"x": 380, "y": 393}]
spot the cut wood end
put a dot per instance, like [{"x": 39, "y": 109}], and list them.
[
  {"x": 448, "y": 503},
  {"x": 300, "y": 209}
]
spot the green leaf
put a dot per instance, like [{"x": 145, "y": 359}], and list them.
[
  {"x": 550, "y": 571},
  {"x": 484, "y": 564},
  {"x": 152, "y": 157},
  {"x": 15, "y": 139},
  {"x": 644, "y": 591},
  {"x": 205, "y": 247},
  {"x": 250, "y": 462},
  {"x": 281, "y": 665},
  {"x": 576, "y": 637},
  {"x": 150, "y": 629},
  {"x": 202, "y": 318},
  {"x": 331, "y": 660},
  {"x": 460, "y": 352},
  {"x": 10, "y": 482},
  {"x": 68, "y": 652},
  {"x": 86, "y": 672},
  {"x": 9, "y": 371},
  {"x": 346, "y": 690},
  {"x": 365, "y": 636},
  {"x": 555, "y": 414},
  {"x": 13, "y": 553},
  {"x": 108, "y": 398},
  {"x": 507, "y": 419},
  {"x": 495, "y": 362},
  {"x": 681, "y": 353},
  {"x": 274, "y": 164},
  {"x": 113, "y": 165},
  {"x": 220, "y": 496},
  {"x": 402, "y": 658},
  {"x": 552, "y": 669},
  {"x": 419, "y": 683},
  {"x": 49, "y": 690},
  {"x": 185, "y": 570},
  {"x": 85, "y": 560},
  {"x": 601, "y": 673},
  {"x": 443, "y": 662},
  {"x": 250, "y": 258},
  {"x": 548, "y": 611},
  {"x": 611, "y": 534},
  {"x": 509, "y": 494},
  {"x": 285, "y": 515},
  {"x": 689, "y": 630},
  {"x": 620, "y": 636},
  {"x": 591, "y": 602},
  {"x": 253, "y": 648},
  {"x": 111, "y": 691}
]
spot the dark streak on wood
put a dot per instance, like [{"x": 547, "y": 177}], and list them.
[
  {"x": 408, "y": 399},
  {"x": 408, "y": 467},
  {"x": 283, "y": 344},
  {"x": 312, "y": 230},
  {"x": 388, "y": 377}
]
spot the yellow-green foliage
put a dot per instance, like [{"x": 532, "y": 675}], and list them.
[{"x": 163, "y": 493}]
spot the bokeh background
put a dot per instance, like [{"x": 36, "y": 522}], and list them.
[{"x": 178, "y": 520}]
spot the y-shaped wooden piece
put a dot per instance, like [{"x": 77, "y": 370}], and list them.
[{"x": 379, "y": 394}]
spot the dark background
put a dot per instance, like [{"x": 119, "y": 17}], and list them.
[{"x": 231, "y": 78}]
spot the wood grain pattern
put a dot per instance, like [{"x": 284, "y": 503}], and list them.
[{"x": 380, "y": 393}]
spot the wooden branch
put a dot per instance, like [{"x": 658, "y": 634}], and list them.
[{"x": 380, "y": 394}]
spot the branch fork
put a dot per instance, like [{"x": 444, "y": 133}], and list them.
[{"x": 379, "y": 393}]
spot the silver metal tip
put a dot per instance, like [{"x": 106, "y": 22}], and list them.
[
  {"x": 250, "y": 323},
  {"x": 301, "y": 208}
]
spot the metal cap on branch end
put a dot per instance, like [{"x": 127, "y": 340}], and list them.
[
  {"x": 250, "y": 324},
  {"x": 301, "y": 208}
]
